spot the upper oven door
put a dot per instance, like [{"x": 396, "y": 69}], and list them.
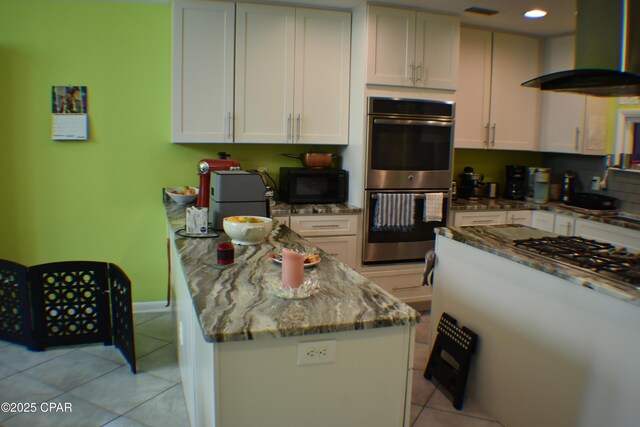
[{"x": 409, "y": 153}]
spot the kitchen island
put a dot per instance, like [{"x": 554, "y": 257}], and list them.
[
  {"x": 241, "y": 348},
  {"x": 558, "y": 345}
]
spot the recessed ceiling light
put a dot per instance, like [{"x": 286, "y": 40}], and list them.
[{"x": 535, "y": 13}]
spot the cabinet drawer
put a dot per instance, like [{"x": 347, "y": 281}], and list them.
[
  {"x": 341, "y": 247},
  {"x": 617, "y": 236},
  {"x": 325, "y": 225},
  {"x": 543, "y": 220},
  {"x": 396, "y": 281},
  {"x": 462, "y": 219}
]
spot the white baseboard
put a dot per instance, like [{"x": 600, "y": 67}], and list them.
[{"x": 150, "y": 307}]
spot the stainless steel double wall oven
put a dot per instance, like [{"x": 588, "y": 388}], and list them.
[{"x": 409, "y": 150}]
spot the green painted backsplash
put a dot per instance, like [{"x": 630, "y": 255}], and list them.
[{"x": 491, "y": 163}]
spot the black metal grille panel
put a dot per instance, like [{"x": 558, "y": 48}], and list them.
[
  {"x": 15, "y": 312},
  {"x": 121, "y": 314}
]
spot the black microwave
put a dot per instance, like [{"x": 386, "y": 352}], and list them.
[{"x": 308, "y": 185}]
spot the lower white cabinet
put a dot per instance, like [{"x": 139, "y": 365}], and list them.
[
  {"x": 402, "y": 281},
  {"x": 465, "y": 218},
  {"x": 522, "y": 217},
  {"x": 564, "y": 225},
  {"x": 334, "y": 234},
  {"x": 543, "y": 220},
  {"x": 617, "y": 236}
]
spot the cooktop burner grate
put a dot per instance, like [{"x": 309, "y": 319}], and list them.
[{"x": 593, "y": 255}]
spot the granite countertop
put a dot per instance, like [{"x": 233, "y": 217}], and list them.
[
  {"x": 612, "y": 217},
  {"x": 282, "y": 208},
  {"x": 498, "y": 240},
  {"x": 233, "y": 303}
]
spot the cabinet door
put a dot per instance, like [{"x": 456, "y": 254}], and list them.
[
  {"x": 391, "y": 46},
  {"x": 562, "y": 114},
  {"x": 618, "y": 236},
  {"x": 341, "y": 247},
  {"x": 543, "y": 220},
  {"x": 202, "y": 81},
  {"x": 514, "y": 109},
  {"x": 437, "y": 50},
  {"x": 564, "y": 225},
  {"x": 595, "y": 125},
  {"x": 264, "y": 73},
  {"x": 522, "y": 217},
  {"x": 322, "y": 71},
  {"x": 474, "y": 86},
  {"x": 462, "y": 219}
]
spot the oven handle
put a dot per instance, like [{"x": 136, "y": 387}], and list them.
[{"x": 413, "y": 122}]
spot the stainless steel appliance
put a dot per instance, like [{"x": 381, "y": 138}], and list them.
[
  {"x": 516, "y": 182},
  {"x": 236, "y": 192},
  {"x": 310, "y": 185},
  {"x": 409, "y": 150},
  {"x": 568, "y": 186},
  {"x": 602, "y": 258}
]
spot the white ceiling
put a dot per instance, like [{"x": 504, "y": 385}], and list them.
[{"x": 559, "y": 20}]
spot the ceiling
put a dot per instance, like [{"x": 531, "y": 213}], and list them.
[{"x": 559, "y": 20}]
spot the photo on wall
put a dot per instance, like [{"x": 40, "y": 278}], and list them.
[{"x": 69, "y": 100}]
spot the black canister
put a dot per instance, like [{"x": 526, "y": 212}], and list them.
[{"x": 568, "y": 186}]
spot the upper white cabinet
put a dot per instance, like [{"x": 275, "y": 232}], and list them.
[
  {"x": 203, "y": 43},
  {"x": 570, "y": 123},
  {"x": 493, "y": 110},
  {"x": 292, "y": 75},
  {"x": 412, "y": 48}
]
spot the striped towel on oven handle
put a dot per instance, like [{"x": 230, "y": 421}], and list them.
[{"x": 394, "y": 212}]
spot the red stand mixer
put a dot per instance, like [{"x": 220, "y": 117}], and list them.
[{"x": 205, "y": 166}]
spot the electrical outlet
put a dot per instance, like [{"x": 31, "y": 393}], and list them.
[
  {"x": 316, "y": 352},
  {"x": 595, "y": 183}
]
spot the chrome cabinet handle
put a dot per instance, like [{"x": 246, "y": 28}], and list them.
[
  {"x": 298, "y": 128},
  {"x": 419, "y": 73},
  {"x": 289, "y": 130},
  {"x": 413, "y": 72},
  {"x": 493, "y": 140},
  {"x": 481, "y": 221},
  {"x": 230, "y": 126},
  {"x": 485, "y": 139},
  {"x": 577, "y": 139},
  {"x": 326, "y": 226}
]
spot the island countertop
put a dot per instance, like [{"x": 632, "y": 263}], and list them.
[
  {"x": 498, "y": 240},
  {"x": 233, "y": 303}
]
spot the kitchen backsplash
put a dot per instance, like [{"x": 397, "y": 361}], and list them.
[{"x": 624, "y": 186}]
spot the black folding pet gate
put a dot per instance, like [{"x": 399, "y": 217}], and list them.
[{"x": 67, "y": 303}]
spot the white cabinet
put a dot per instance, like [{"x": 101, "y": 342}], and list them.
[
  {"x": 522, "y": 217},
  {"x": 461, "y": 219},
  {"x": 543, "y": 220},
  {"x": 618, "y": 236},
  {"x": 412, "y": 48},
  {"x": 570, "y": 123},
  {"x": 202, "y": 80},
  {"x": 334, "y": 234},
  {"x": 564, "y": 225},
  {"x": 493, "y": 110},
  {"x": 292, "y": 75}
]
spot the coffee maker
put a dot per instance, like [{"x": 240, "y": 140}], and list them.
[
  {"x": 516, "y": 182},
  {"x": 538, "y": 185},
  {"x": 471, "y": 186},
  {"x": 236, "y": 192}
]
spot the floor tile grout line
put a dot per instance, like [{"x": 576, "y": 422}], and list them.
[{"x": 142, "y": 403}]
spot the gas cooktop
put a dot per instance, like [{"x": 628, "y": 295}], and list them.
[{"x": 599, "y": 257}]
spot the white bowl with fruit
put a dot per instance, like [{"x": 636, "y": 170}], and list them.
[
  {"x": 183, "y": 194},
  {"x": 247, "y": 229}
]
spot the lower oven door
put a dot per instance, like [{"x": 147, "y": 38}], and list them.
[{"x": 400, "y": 246}]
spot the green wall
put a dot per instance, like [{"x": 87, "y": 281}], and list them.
[
  {"x": 99, "y": 199},
  {"x": 491, "y": 163}
]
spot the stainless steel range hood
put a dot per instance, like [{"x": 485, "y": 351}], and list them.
[{"x": 607, "y": 52}]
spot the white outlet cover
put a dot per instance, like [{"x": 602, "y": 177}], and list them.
[{"x": 316, "y": 352}]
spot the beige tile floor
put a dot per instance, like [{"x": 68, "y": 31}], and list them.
[{"x": 98, "y": 384}]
